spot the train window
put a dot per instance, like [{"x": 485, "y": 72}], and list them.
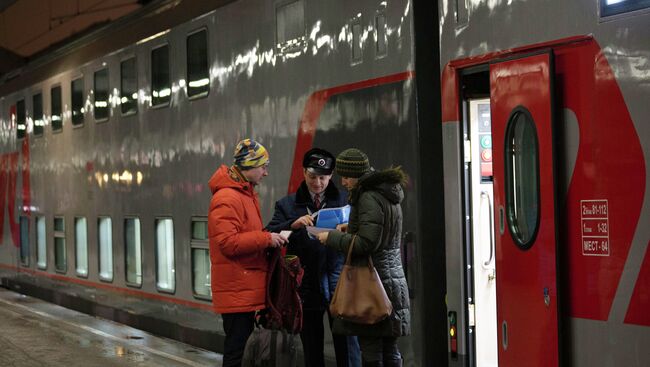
[
  {"x": 161, "y": 90},
  {"x": 24, "y": 240},
  {"x": 101, "y": 110},
  {"x": 105, "y": 239},
  {"x": 60, "y": 260},
  {"x": 133, "y": 249},
  {"x": 357, "y": 42},
  {"x": 77, "y": 98},
  {"x": 128, "y": 87},
  {"x": 381, "y": 38},
  {"x": 21, "y": 119},
  {"x": 41, "y": 247},
  {"x": 198, "y": 77},
  {"x": 165, "y": 271},
  {"x": 81, "y": 245},
  {"x": 55, "y": 105},
  {"x": 200, "y": 259},
  {"x": 290, "y": 26},
  {"x": 522, "y": 177},
  {"x": 37, "y": 107},
  {"x": 613, "y": 7}
]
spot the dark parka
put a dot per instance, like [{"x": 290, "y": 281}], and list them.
[
  {"x": 322, "y": 265},
  {"x": 376, "y": 221}
]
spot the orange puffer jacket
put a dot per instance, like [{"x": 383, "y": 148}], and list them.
[{"x": 237, "y": 244}]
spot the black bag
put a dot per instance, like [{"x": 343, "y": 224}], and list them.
[{"x": 270, "y": 348}]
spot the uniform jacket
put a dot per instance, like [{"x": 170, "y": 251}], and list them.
[
  {"x": 237, "y": 244},
  {"x": 322, "y": 265},
  {"x": 376, "y": 220}
]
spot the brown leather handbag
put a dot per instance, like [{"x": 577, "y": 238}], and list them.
[{"x": 360, "y": 296}]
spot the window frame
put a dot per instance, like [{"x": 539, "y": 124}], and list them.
[
  {"x": 42, "y": 218},
  {"x": 22, "y": 241},
  {"x": 126, "y": 253},
  {"x": 60, "y": 129},
  {"x": 202, "y": 245},
  {"x": 24, "y": 123},
  {"x": 207, "y": 63},
  {"x": 82, "y": 121},
  {"x": 508, "y": 172},
  {"x": 99, "y": 250},
  {"x": 59, "y": 234},
  {"x": 624, "y": 7},
  {"x": 108, "y": 94},
  {"x": 76, "y": 248},
  {"x": 135, "y": 61},
  {"x": 151, "y": 75},
  {"x": 42, "y": 119},
  {"x": 156, "y": 256}
]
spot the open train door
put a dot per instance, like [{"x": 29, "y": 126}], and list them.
[{"x": 521, "y": 92}]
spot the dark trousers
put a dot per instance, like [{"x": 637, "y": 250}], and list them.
[
  {"x": 313, "y": 338},
  {"x": 377, "y": 348},
  {"x": 237, "y": 327}
]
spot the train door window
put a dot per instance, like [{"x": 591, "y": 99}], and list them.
[
  {"x": 613, "y": 7},
  {"x": 522, "y": 177},
  {"x": 77, "y": 99},
  {"x": 55, "y": 105},
  {"x": 21, "y": 119},
  {"x": 165, "y": 270},
  {"x": 37, "y": 107},
  {"x": 381, "y": 36},
  {"x": 105, "y": 240},
  {"x": 200, "y": 259},
  {"x": 60, "y": 260},
  {"x": 133, "y": 249},
  {"x": 357, "y": 42},
  {"x": 161, "y": 90},
  {"x": 101, "y": 92},
  {"x": 198, "y": 77},
  {"x": 24, "y": 240},
  {"x": 128, "y": 87},
  {"x": 41, "y": 247},
  {"x": 81, "y": 246}
]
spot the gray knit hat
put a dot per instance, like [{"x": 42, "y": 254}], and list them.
[{"x": 352, "y": 163}]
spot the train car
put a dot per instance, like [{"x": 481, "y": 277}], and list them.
[
  {"x": 546, "y": 145},
  {"x": 108, "y": 142}
]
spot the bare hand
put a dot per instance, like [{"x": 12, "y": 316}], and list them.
[
  {"x": 322, "y": 237},
  {"x": 277, "y": 240},
  {"x": 343, "y": 227},
  {"x": 305, "y": 220}
]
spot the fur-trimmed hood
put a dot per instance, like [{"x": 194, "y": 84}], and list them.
[{"x": 388, "y": 182}]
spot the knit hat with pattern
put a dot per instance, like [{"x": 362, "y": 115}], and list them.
[
  {"x": 352, "y": 163},
  {"x": 250, "y": 154}
]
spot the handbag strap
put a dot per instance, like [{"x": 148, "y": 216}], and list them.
[{"x": 347, "y": 259}]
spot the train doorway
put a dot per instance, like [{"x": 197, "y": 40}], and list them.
[
  {"x": 510, "y": 234},
  {"x": 483, "y": 304}
]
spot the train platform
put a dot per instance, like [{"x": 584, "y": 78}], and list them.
[{"x": 38, "y": 333}]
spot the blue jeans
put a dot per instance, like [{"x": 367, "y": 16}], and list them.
[
  {"x": 377, "y": 348},
  {"x": 238, "y": 327}
]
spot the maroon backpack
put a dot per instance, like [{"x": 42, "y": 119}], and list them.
[{"x": 284, "y": 304}]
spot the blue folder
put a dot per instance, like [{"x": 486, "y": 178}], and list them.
[{"x": 331, "y": 217}]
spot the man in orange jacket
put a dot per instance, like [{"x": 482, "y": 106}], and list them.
[{"x": 238, "y": 246}]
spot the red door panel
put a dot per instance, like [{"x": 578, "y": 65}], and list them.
[{"x": 527, "y": 312}]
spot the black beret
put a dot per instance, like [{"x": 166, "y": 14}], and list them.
[{"x": 319, "y": 161}]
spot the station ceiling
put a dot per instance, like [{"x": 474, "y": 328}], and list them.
[{"x": 29, "y": 28}]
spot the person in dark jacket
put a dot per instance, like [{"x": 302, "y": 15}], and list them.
[
  {"x": 376, "y": 221},
  {"x": 322, "y": 266}
]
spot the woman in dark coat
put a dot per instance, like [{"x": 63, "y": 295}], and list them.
[
  {"x": 322, "y": 265},
  {"x": 376, "y": 221}
]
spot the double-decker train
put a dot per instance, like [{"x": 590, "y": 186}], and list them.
[{"x": 524, "y": 241}]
